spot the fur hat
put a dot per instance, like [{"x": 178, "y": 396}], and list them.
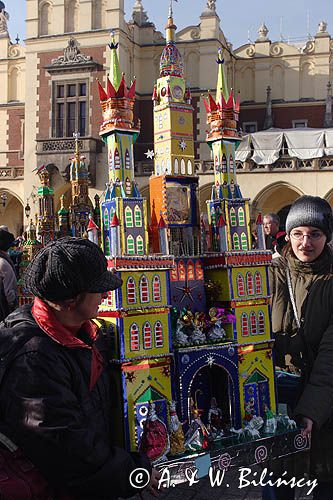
[
  {"x": 311, "y": 211},
  {"x": 67, "y": 267},
  {"x": 6, "y": 239}
]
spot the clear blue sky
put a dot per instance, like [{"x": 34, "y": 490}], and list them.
[{"x": 237, "y": 19}]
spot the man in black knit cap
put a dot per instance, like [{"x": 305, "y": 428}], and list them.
[{"x": 55, "y": 396}]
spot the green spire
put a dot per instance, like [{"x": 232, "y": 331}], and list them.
[
  {"x": 115, "y": 74},
  {"x": 222, "y": 84}
]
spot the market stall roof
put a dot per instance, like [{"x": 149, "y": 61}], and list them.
[{"x": 265, "y": 147}]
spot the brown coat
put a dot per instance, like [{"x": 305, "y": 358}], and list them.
[{"x": 313, "y": 281}]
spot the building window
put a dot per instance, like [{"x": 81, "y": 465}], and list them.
[
  {"x": 127, "y": 160},
  {"x": 258, "y": 283},
  {"x": 128, "y": 186},
  {"x": 249, "y": 284},
  {"x": 157, "y": 289},
  {"x": 241, "y": 216},
  {"x": 231, "y": 164},
  {"x": 134, "y": 337},
  {"x": 139, "y": 245},
  {"x": 300, "y": 123},
  {"x": 116, "y": 159},
  {"x": 182, "y": 166},
  {"x": 128, "y": 217},
  {"x": 181, "y": 271},
  {"x": 70, "y": 108},
  {"x": 130, "y": 245},
  {"x": 244, "y": 241},
  {"x": 147, "y": 340},
  {"x": 236, "y": 241},
  {"x": 261, "y": 323},
  {"x": 158, "y": 334},
  {"x": 253, "y": 323},
  {"x": 174, "y": 274},
  {"x": 45, "y": 17},
  {"x": 71, "y": 15},
  {"x": 131, "y": 292},
  {"x": 240, "y": 285},
  {"x": 176, "y": 166},
  {"x": 250, "y": 127},
  {"x": 137, "y": 216},
  {"x": 144, "y": 289},
  {"x": 233, "y": 219},
  {"x": 245, "y": 325}
]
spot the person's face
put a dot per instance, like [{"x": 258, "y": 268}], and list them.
[
  {"x": 307, "y": 242},
  {"x": 270, "y": 226},
  {"x": 87, "y": 305}
]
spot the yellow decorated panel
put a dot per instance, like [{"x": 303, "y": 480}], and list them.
[
  {"x": 146, "y": 334},
  {"x": 249, "y": 283},
  {"x": 256, "y": 380},
  {"x": 252, "y": 323},
  {"x": 144, "y": 288}
]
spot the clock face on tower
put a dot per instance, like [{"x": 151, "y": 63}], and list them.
[{"x": 177, "y": 92}]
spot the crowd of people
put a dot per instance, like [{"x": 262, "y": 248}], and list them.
[{"x": 56, "y": 388}]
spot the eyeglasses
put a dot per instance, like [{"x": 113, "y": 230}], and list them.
[{"x": 313, "y": 236}]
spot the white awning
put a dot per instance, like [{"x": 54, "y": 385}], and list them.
[
  {"x": 244, "y": 149},
  {"x": 305, "y": 144},
  {"x": 267, "y": 146}
]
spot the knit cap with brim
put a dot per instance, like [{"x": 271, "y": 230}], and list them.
[
  {"x": 311, "y": 211},
  {"x": 6, "y": 239},
  {"x": 67, "y": 267}
]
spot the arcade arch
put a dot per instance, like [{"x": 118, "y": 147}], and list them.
[{"x": 11, "y": 212}]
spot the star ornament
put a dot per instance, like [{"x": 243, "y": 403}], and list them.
[
  {"x": 210, "y": 360},
  {"x": 150, "y": 154},
  {"x": 182, "y": 145}
]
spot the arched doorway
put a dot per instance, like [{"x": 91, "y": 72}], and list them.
[
  {"x": 11, "y": 212},
  {"x": 276, "y": 198},
  {"x": 212, "y": 381}
]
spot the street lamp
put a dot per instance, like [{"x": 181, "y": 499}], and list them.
[{"x": 27, "y": 210}]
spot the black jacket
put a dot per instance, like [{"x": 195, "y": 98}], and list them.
[{"x": 50, "y": 413}]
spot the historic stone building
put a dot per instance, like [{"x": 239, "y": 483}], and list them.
[{"x": 48, "y": 91}]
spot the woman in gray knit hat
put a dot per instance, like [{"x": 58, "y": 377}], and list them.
[{"x": 301, "y": 283}]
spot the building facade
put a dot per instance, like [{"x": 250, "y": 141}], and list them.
[{"x": 49, "y": 91}]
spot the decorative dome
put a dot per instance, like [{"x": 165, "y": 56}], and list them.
[{"x": 171, "y": 62}]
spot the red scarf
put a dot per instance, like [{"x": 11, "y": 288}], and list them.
[{"x": 65, "y": 336}]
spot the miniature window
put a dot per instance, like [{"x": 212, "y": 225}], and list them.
[
  {"x": 216, "y": 162},
  {"x": 236, "y": 241},
  {"x": 147, "y": 337},
  {"x": 258, "y": 283},
  {"x": 261, "y": 323},
  {"x": 174, "y": 274},
  {"x": 181, "y": 271},
  {"x": 107, "y": 246},
  {"x": 189, "y": 167},
  {"x": 116, "y": 159},
  {"x": 131, "y": 291},
  {"x": 244, "y": 241},
  {"x": 182, "y": 166},
  {"x": 130, "y": 245},
  {"x": 190, "y": 270},
  {"x": 213, "y": 216},
  {"x": 137, "y": 216},
  {"x": 241, "y": 216},
  {"x": 129, "y": 217},
  {"x": 163, "y": 167},
  {"x": 158, "y": 332},
  {"x": 168, "y": 166},
  {"x": 144, "y": 289},
  {"x": 240, "y": 285},
  {"x": 249, "y": 284},
  {"x": 224, "y": 164},
  {"x": 111, "y": 166},
  {"x": 139, "y": 245},
  {"x": 253, "y": 323},
  {"x": 176, "y": 166},
  {"x": 231, "y": 163},
  {"x": 245, "y": 325},
  {"x": 233, "y": 218},
  {"x": 198, "y": 270},
  {"x": 134, "y": 337},
  {"x": 157, "y": 289},
  {"x": 127, "y": 160},
  {"x": 106, "y": 219},
  {"x": 128, "y": 186}
]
